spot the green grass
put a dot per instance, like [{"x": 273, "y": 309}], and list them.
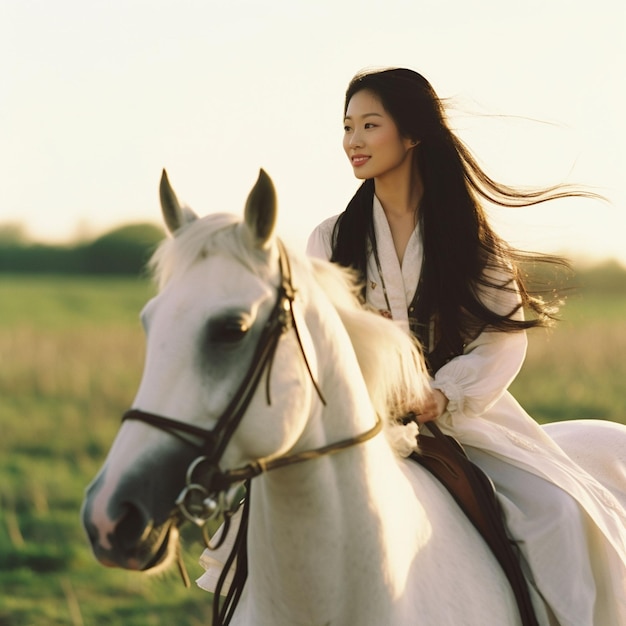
[
  {"x": 577, "y": 369},
  {"x": 71, "y": 355},
  {"x": 55, "y": 302}
]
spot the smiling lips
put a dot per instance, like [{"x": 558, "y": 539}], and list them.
[{"x": 358, "y": 159}]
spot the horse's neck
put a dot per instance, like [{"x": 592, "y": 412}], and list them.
[
  {"x": 331, "y": 539},
  {"x": 322, "y": 533}
]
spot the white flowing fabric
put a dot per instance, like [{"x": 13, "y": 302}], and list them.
[{"x": 577, "y": 554}]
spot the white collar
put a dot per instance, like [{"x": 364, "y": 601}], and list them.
[{"x": 400, "y": 282}]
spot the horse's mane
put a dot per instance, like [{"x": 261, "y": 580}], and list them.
[{"x": 390, "y": 359}]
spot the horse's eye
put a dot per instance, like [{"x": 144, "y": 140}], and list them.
[{"x": 228, "y": 330}]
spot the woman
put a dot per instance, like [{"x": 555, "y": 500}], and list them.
[{"x": 416, "y": 232}]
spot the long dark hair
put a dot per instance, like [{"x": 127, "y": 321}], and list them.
[{"x": 460, "y": 246}]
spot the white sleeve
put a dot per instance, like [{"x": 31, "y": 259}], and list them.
[
  {"x": 477, "y": 379},
  {"x": 320, "y": 240}
]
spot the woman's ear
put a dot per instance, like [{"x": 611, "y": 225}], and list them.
[{"x": 410, "y": 143}]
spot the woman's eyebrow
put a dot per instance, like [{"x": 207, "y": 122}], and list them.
[{"x": 348, "y": 117}]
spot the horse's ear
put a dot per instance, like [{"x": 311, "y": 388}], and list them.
[
  {"x": 174, "y": 214},
  {"x": 260, "y": 212}
]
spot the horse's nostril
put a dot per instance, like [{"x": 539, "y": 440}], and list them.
[{"x": 132, "y": 526}]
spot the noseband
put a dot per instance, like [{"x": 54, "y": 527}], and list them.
[{"x": 210, "y": 491}]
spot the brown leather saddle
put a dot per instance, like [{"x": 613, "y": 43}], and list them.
[{"x": 473, "y": 491}]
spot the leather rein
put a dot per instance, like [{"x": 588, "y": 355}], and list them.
[{"x": 209, "y": 490}]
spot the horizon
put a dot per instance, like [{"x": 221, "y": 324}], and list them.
[{"x": 580, "y": 260}]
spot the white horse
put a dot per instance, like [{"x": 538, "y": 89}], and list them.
[{"x": 348, "y": 534}]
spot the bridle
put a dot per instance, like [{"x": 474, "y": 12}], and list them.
[{"x": 209, "y": 490}]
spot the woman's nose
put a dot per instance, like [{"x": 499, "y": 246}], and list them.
[{"x": 355, "y": 140}]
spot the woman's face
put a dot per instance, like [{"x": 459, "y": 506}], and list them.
[{"x": 371, "y": 139}]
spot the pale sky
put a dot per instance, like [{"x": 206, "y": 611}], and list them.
[{"x": 97, "y": 96}]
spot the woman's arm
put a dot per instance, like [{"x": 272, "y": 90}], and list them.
[{"x": 475, "y": 380}]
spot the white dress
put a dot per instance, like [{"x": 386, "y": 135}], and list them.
[{"x": 570, "y": 530}]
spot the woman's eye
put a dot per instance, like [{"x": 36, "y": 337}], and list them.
[
  {"x": 346, "y": 129},
  {"x": 370, "y": 125}
]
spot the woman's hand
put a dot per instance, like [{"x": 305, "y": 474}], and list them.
[{"x": 433, "y": 407}]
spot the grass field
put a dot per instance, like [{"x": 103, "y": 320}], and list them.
[
  {"x": 577, "y": 369},
  {"x": 71, "y": 354}
]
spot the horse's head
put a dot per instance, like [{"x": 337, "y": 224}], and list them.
[{"x": 208, "y": 388}]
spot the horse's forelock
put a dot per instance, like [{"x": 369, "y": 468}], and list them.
[{"x": 175, "y": 255}]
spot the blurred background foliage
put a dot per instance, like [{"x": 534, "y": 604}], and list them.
[{"x": 123, "y": 250}]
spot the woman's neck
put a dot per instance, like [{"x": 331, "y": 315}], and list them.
[
  {"x": 400, "y": 199},
  {"x": 400, "y": 194}
]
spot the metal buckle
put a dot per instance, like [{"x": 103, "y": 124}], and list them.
[{"x": 198, "y": 505}]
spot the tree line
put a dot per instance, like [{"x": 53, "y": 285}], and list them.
[{"x": 121, "y": 251}]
